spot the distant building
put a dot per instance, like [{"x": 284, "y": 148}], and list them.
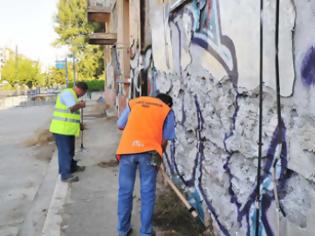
[{"x": 123, "y": 41}]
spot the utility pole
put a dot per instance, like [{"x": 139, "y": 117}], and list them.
[
  {"x": 16, "y": 62},
  {"x": 66, "y": 68},
  {"x": 74, "y": 72},
  {"x": 260, "y": 130}
]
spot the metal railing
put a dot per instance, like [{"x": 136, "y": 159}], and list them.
[{"x": 29, "y": 93}]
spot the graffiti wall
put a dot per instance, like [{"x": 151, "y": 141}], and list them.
[
  {"x": 130, "y": 70},
  {"x": 142, "y": 70},
  {"x": 205, "y": 53}
]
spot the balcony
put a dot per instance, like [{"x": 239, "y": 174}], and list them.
[
  {"x": 99, "y": 10},
  {"x": 103, "y": 38}
]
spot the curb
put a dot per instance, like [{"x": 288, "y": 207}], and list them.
[
  {"x": 52, "y": 225},
  {"x": 36, "y": 215}
]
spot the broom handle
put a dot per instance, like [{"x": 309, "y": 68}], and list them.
[
  {"x": 178, "y": 193},
  {"x": 82, "y": 129}
]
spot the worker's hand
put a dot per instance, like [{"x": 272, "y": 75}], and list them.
[
  {"x": 81, "y": 104},
  {"x": 78, "y": 106}
]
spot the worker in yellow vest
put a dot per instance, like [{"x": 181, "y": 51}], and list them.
[
  {"x": 148, "y": 124},
  {"x": 65, "y": 126}
]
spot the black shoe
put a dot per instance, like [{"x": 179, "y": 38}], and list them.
[
  {"x": 78, "y": 169},
  {"x": 71, "y": 179}
]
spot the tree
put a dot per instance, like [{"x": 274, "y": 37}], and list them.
[
  {"x": 19, "y": 70},
  {"x": 58, "y": 76},
  {"x": 73, "y": 30}
]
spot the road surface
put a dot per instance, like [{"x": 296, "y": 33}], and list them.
[{"x": 22, "y": 168}]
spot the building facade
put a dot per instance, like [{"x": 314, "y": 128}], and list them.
[{"x": 206, "y": 54}]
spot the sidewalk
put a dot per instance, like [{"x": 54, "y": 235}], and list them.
[{"x": 88, "y": 207}]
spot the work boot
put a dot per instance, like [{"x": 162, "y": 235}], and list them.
[
  {"x": 71, "y": 179},
  {"x": 78, "y": 169}
]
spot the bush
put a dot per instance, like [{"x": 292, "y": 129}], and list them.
[
  {"x": 94, "y": 85},
  {"x": 7, "y": 87},
  {"x": 19, "y": 70}
]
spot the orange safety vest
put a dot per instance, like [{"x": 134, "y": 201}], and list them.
[{"x": 144, "y": 129}]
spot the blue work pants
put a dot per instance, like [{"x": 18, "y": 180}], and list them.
[
  {"x": 66, "y": 146},
  {"x": 127, "y": 174}
]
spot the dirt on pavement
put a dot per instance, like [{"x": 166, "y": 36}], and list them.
[
  {"x": 106, "y": 164},
  {"x": 40, "y": 138},
  {"x": 171, "y": 217},
  {"x": 43, "y": 141}
]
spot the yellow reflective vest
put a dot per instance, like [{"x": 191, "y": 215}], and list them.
[{"x": 64, "y": 121}]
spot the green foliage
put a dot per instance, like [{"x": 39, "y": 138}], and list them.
[
  {"x": 91, "y": 64},
  {"x": 72, "y": 26},
  {"x": 73, "y": 30},
  {"x": 94, "y": 85},
  {"x": 55, "y": 76},
  {"x": 7, "y": 87},
  {"x": 19, "y": 70}
]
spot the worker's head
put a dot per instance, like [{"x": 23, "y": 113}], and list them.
[
  {"x": 80, "y": 88},
  {"x": 167, "y": 99}
]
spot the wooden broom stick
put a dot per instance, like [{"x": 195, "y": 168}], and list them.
[{"x": 191, "y": 209}]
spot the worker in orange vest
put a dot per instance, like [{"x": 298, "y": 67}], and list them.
[{"x": 148, "y": 124}]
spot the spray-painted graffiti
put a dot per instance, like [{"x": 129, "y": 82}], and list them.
[
  {"x": 308, "y": 67},
  {"x": 142, "y": 72},
  {"x": 174, "y": 4},
  {"x": 202, "y": 27},
  {"x": 248, "y": 209},
  {"x": 199, "y": 194},
  {"x": 201, "y": 22},
  {"x": 209, "y": 36},
  {"x": 214, "y": 87},
  {"x": 244, "y": 209}
]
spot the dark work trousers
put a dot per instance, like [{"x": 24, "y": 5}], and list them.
[{"x": 66, "y": 146}]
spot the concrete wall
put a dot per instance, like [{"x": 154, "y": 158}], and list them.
[
  {"x": 8, "y": 102},
  {"x": 206, "y": 55},
  {"x": 118, "y": 58},
  {"x": 129, "y": 64}
]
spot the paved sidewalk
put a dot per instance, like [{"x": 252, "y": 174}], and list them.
[
  {"x": 90, "y": 204},
  {"x": 89, "y": 207}
]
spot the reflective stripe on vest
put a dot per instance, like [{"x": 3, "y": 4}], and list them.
[
  {"x": 66, "y": 111},
  {"x": 64, "y": 121},
  {"x": 144, "y": 128}
]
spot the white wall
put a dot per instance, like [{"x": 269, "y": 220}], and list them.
[{"x": 8, "y": 102}]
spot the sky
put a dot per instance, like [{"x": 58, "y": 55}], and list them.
[{"x": 29, "y": 25}]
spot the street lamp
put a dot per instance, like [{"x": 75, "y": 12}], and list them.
[
  {"x": 74, "y": 60},
  {"x": 63, "y": 64}
]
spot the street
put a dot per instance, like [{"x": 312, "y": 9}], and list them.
[{"x": 23, "y": 166}]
